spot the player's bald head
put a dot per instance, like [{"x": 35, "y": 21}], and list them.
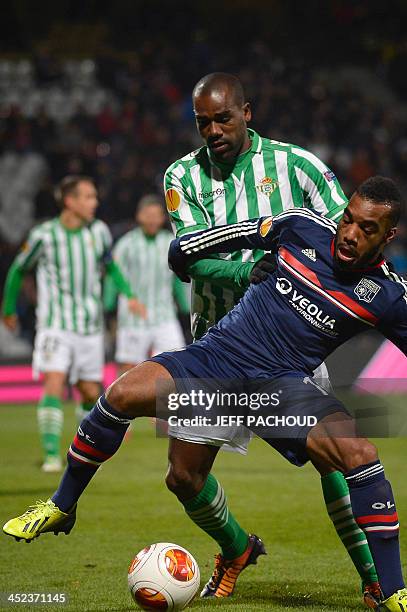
[{"x": 220, "y": 83}]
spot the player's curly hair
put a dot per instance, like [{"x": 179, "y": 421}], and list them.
[
  {"x": 382, "y": 190},
  {"x": 68, "y": 185}
]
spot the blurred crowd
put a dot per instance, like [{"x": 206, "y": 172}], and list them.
[
  {"x": 123, "y": 120},
  {"x": 142, "y": 119}
]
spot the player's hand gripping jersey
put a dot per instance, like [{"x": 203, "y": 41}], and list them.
[{"x": 308, "y": 307}]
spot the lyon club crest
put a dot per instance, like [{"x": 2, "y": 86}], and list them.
[{"x": 366, "y": 290}]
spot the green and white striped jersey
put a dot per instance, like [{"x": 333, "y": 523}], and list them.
[
  {"x": 69, "y": 269},
  {"x": 267, "y": 179},
  {"x": 143, "y": 261}
]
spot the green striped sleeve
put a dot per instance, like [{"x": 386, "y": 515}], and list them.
[
  {"x": 320, "y": 188},
  {"x": 181, "y": 197},
  {"x": 109, "y": 294},
  {"x": 119, "y": 280},
  {"x": 110, "y": 289},
  {"x": 31, "y": 250},
  {"x": 222, "y": 272},
  {"x": 12, "y": 289},
  {"x": 26, "y": 259}
]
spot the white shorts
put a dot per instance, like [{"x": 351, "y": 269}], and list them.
[
  {"x": 136, "y": 345},
  {"x": 58, "y": 350},
  {"x": 236, "y": 438}
]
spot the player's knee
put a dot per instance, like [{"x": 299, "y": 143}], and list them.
[
  {"x": 54, "y": 384},
  {"x": 358, "y": 452},
  {"x": 120, "y": 396},
  {"x": 182, "y": 482}
]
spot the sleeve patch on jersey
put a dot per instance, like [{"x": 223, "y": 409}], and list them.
[
  {"x": 329, "y": 175},
  {"x": 172, "y": 199},
  {"x": 265, "y": 226}
]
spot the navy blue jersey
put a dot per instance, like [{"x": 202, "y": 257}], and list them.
[{"x": 290, "y": 323}]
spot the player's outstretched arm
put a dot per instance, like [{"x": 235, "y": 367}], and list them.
[
  {"x": 221, "y": 272},
  {"x": 26, "y": 259},
  {"x": 253, "y": 234},
  {"x": 123, "y": 286},
  {"x": 11, "y": 291},
  {"x": 187, "y": 215}
]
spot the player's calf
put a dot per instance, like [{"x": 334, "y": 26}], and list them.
[
  {"x": 189, "y": 467},
  {"x": 334, "y": 444},
  {"x": 183, "y": 484}
]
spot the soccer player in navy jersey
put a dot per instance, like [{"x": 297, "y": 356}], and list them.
[{"x": 330, "y": 284}]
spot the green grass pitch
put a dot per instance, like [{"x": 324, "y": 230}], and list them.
[{"x": 127, "y": 507}]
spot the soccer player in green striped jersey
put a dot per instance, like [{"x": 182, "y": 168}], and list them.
[
  {"x": 69, "y": 253},
  {"x": 142, "y": 256},
  {"x": 236, "y": 176}
]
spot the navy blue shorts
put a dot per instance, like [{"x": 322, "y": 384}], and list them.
[{"x": 293, "y": 404}]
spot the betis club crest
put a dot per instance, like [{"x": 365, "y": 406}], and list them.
[
  {"x": 366, "y": 290},
  {"x": 267, "y": 185}
]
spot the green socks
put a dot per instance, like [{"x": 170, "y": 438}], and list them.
[
  {"x": 50, "y": 421},
  {"x": 337, "y": 500},
  {"x": 209, "y": 511}
]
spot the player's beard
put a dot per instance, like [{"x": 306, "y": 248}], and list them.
[{"x": 369, "y": 259}]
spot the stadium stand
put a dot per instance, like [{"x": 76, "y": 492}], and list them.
[{"x": 123, "y": 116}]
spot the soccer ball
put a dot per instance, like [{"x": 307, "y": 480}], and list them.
[{"x": 163, "y": 576}]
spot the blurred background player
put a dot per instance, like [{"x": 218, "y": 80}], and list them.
[
  {"x": 142, "y": 256},
  {"x": 69, "y": 252},
  {"x": 236, "y": 176}
]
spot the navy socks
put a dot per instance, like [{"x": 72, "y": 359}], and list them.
[
  {"x": 375, "y": 512},
  {"x": 98, "y": 437}
]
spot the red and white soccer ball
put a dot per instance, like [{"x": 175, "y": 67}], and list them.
[{"x": 163, "y": 576}]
